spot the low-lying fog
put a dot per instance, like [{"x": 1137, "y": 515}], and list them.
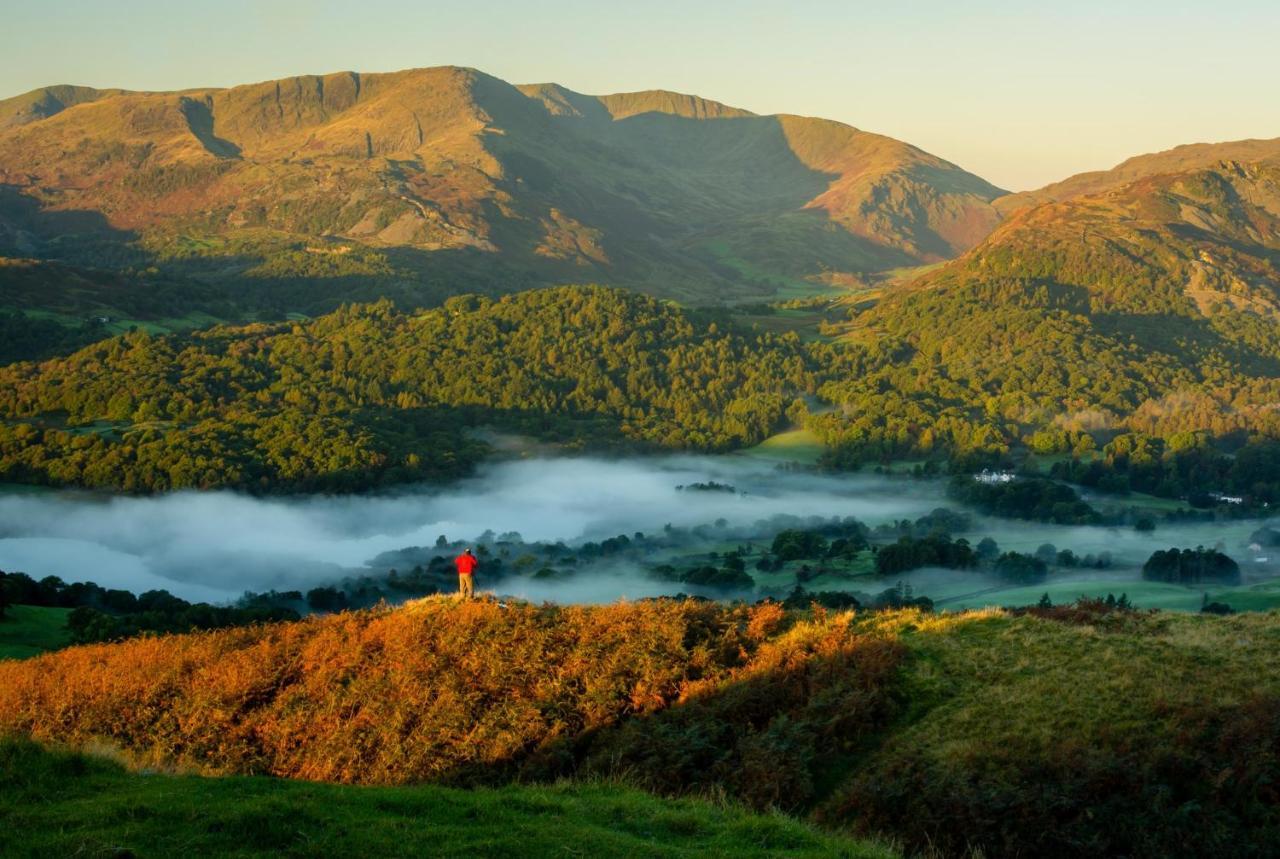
[{"x": 214, "y": 546}]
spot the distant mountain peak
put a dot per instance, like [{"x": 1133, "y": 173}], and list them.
[
  {"x": 47, "y": 101},
  {"x": 668, "y": 192}
]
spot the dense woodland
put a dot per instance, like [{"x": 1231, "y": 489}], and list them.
[{"x": 371, "y": 395}]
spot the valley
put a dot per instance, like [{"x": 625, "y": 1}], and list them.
[
  {"x": 574, "y": 530},
  {"x": 827, "y": 499}
]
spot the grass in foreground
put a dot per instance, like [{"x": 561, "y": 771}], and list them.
[
  {"x": 64, "y": 804},
  {"x": 28, "y": 630},
  {"x": 1083, "y": 733},
  {"x": 1121, "y": 735}
]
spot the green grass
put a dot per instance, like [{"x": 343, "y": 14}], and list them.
[
  {"x": 794, "y": 446},
  {"x": 1261, "y": 597},
  {"x": 63, "y": 804},
  {"x": 28, "y": 630},
  {"x": 784, "y": 286},
  {"x": 1093, "y": 738},
  {"x": 166, "y": 325},
  {"x": 1141, "y": 594},
  {"x": 1139, "y": 500}
]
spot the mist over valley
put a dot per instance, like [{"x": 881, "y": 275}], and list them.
[
  {"x": 427, "y": 462},
  {"x": 540, "y": 522}
]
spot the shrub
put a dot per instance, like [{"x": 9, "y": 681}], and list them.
[{"x": 685, "y": 694}]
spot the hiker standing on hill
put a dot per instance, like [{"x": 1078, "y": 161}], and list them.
[{"x": 466, "y": 564}]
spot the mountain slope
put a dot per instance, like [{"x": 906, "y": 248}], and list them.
[
  {"x": 45, "y": 102},
  {"x": 1152, "y": 306},
  {"x": 1180, "y": 159},
  {"x": 446, "y": 176}
]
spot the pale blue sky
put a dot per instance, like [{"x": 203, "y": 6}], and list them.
[{"x": 1018, "y": 94}]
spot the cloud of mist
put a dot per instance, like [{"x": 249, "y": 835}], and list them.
[{"x": 215, "y": 545}]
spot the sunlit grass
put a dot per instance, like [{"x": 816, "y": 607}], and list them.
[{"x": 799, "y": 445}]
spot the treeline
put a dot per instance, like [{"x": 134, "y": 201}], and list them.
[
  {"x": 1032, "y": 498},
  {"x": 1191, "y": 567},
  {"x": 112, "y": 614},
  {"x": 910, "y": 553},
  {"x": 1185, "y": 465},
  {"x": 370, "y": 395}
]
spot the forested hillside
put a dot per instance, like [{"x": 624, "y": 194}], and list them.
[
  {"x": 370, "y": 394},
  {"x": 1148, "y": 309},
  {"x": 967, "y": 365}
]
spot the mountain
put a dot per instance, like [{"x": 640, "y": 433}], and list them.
[
  {"x": 310, "y": 190},
  {"x": 45, "y": 102},
  {"x": 1149, "y": 306},
  {"x": 1180, "y": 159}
]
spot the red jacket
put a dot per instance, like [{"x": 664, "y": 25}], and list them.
[{"x": 466, "y": 564}]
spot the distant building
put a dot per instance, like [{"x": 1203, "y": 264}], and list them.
[{"x": 993, "y": 477}]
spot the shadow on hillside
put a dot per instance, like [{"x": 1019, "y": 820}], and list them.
[
  {"x": 200, "y": 120},
  {"x": 1183, "y": 337},
  {"x": 28, "y": 229},
  {"x": 779, "y": 738}
]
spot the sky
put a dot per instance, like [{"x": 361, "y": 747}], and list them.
[{"x": 1020, "y": 93}]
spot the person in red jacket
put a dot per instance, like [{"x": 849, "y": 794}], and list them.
[{"x": 466, "y": 564}]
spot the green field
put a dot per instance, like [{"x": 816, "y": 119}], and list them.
[
  {"x": 61, "y": 804},
  {"x": 122, "y": 322},
  {"x": 799, "y": 445},
  {"x": 28, "y": 630}
]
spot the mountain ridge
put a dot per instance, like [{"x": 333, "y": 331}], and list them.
[
  {"x": 671, "y": 193},
  {"x": 1186, "y": 156}
]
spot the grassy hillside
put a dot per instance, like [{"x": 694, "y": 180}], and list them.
[
  {"x": 1080, "y": 732},
  {"x": 64, "y": 804},
  {"x": 27, "y": 630},
  {"x": 300, "y": 193}
]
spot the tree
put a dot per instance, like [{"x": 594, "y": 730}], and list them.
[
  {"x": 1191, "y": 566},
  {"x": 1020, "y": 569},
  {"x": 326, "y": 599}
]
